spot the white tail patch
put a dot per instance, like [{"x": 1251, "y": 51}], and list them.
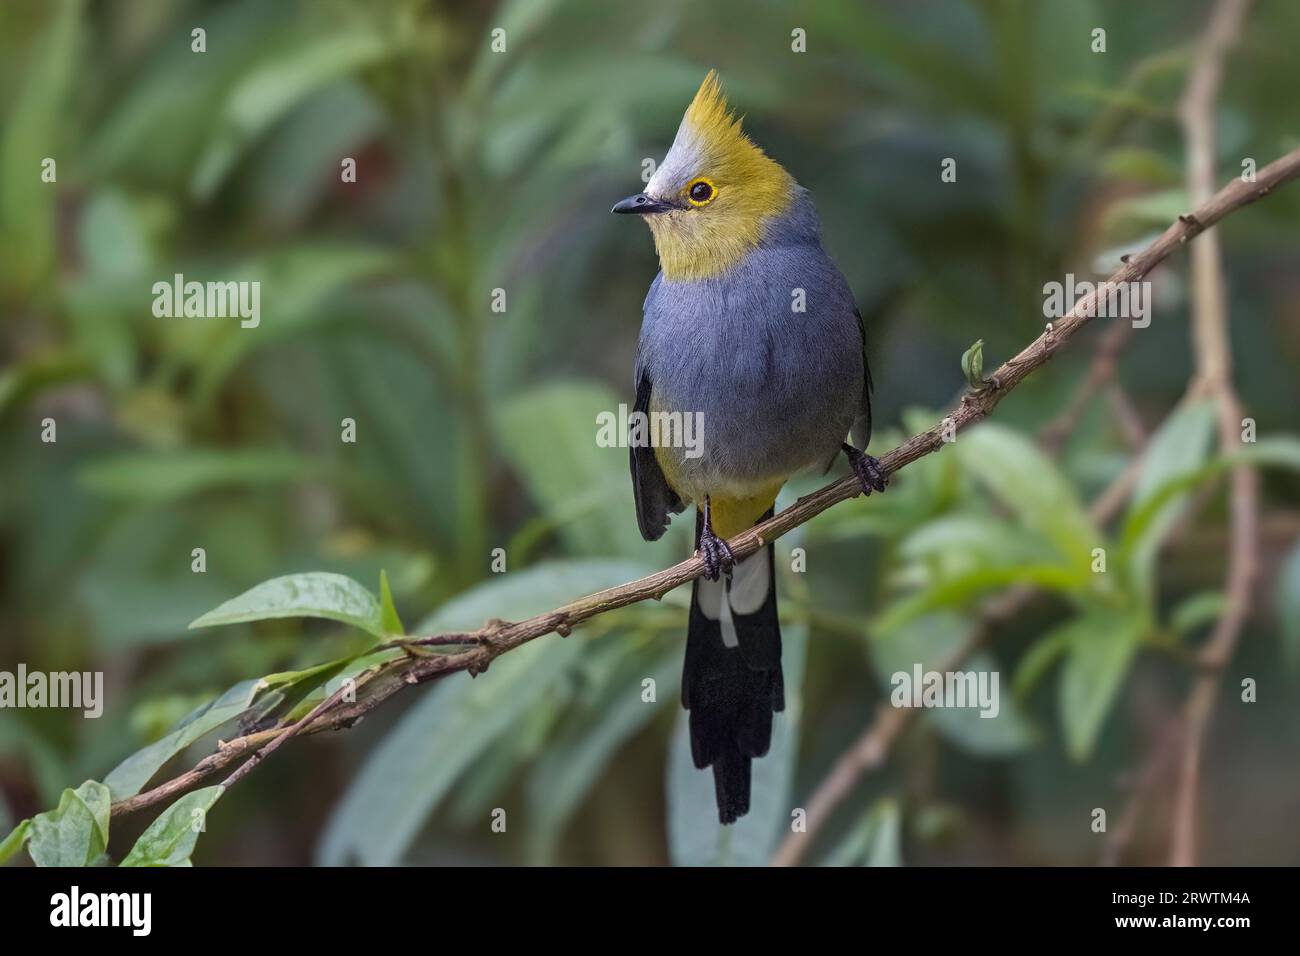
[{"x": 745, "y": 590}]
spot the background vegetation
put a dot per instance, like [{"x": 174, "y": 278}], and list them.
[{"x": 482, "y": 170}]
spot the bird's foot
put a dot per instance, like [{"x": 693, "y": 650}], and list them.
[
  {"x": 870, "y": 474},
  {"x": 718, "y": 559}
]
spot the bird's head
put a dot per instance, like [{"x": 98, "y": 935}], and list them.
[{"x": 712, "y": 197}]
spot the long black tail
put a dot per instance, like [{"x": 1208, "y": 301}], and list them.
[{"x": 731, "y": 681}]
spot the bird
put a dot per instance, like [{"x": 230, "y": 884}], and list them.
[{"x": 752, "y": 329}]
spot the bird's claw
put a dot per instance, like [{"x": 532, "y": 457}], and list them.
[
  {"x": 871, "y": 476},
  {"x": 718, "y": 559}
]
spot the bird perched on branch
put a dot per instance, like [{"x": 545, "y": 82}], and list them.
[{"x": 752, "y": 331}]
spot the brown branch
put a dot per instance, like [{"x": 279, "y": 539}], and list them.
[
  {"x": 1214, "y": 378},
  {"x": 226, "y": 754},
  {"x": 348, "y": 689},
  {"x": 499, "y": 637}
]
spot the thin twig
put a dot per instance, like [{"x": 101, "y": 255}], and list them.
[
  {"x": 1100, "y": 373},
  {"x": 502, "y": 637},
  {"x": 347, "y": 689},
  {"x": 1160, "y": 759},
  {"x": 1130, "y": 422},
  {"x": 1214, "y": 378}
]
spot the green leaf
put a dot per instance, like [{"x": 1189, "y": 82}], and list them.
[
  {"x": 288, "y": 691},
  {"x": 958, "y": 543},
  {"x": 19, "y": 381},
  {"x": 875, "y": 840},
  {"x": 170, "y": 839},
  {"x": 14, "y": 841},
  {"x": 130, "y": 776},
  {"x": 574, "y": 759},
  {"x": 695, "y": 838},
  {"x": 1281, "y": 452},
  {"x": 1037, "y": 661},
  {"x": 76, "y": 832},
  {"x": 311, "y": 594},
  {"x": 408, "y": 775},
  {"x": 1145, "y": 520},
  {"x": 300, "y": 696},
  {"x": 1101, "y": 647},
  {"x": 931, "y": 641},
  {"x": 957, "y": 591},
  {"x": 268, "y": 90},
  {"x": 36, "y": 126},
  {"x": 1197, "y": 611},
  {"x": 289, "y": 678},
  {"x": 1179, "y": 447},
  {"x": 388, "y": 619},
  {"x": 1029, "y": 485},
  {"x": 482, "y": 789},
  {"x": 308, "y": 278},
  {"x": 972, "y": 365},
  {"x": 112, "y": 242},
  {"x": 300, "y": 157}
]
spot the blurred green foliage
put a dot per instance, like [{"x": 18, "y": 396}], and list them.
[{"x": 482, "y": 170}]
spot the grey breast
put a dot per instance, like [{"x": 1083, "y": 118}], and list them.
[{"x": 777, "y": 388}]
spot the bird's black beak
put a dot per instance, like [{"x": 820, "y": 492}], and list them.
[{"x": 641, "y": 204}]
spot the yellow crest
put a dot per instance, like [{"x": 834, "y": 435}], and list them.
[
  {"x": 712, "y": 118},
  {"x": 745, "y": 190}
]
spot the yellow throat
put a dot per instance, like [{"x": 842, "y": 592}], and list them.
[{"x": 748, "y": 189}]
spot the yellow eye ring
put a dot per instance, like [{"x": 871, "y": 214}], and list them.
[{"x": 701, "y": 192}]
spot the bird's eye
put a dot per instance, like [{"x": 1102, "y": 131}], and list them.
[{"x": 700, "y": 192}]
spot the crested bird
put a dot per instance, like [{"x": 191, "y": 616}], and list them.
[{"x": 751, "y": 328}]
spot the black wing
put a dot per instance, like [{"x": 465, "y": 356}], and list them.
[
  {"x": 654, "y": 498},
  {"x": 862, "y": 427}
]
